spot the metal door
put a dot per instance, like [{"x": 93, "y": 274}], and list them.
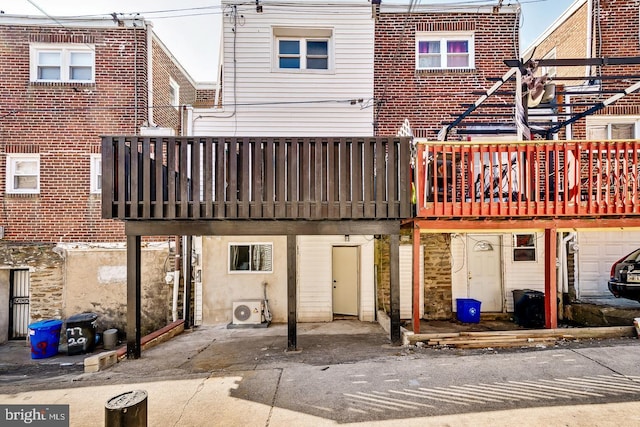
[
  {"x": 484, "y": 271},
  {"x": 19, "y": 304},
  {"x": 345, "y": 280}
]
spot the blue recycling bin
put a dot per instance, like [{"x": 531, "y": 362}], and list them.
[
  {"x": 44, "y": 337},
  {"x": 468, "y": 310}
]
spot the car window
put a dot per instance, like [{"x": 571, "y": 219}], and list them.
[{"x": 633, "y": 256}]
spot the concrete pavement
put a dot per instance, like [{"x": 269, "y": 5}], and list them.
[{"x": 243, "y": 377}]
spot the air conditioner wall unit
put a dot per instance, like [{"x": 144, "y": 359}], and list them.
[{"x": 248, "y": 312}]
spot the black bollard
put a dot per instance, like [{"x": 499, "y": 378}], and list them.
[{"x": 127, "y": 410}]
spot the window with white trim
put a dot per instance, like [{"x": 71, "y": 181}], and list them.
[
  {"x": 96, "y": 173},
  {"x": 524, "y": 247},
  {"x": 606, "y": 131},
  {"x": 68, "y": 62},
  {"x": 444, "y": 51},
  {"x": 23, "y": 174},
  {"x": 174, "y": 93},
  {"x": 302, "y": 49},
  {"x": 251, "y": 257}
]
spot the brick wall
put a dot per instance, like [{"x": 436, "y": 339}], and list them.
[
  {"x": 428, "y": 99},
  {"x": 63, "y": 123},
  {"x": 164, "y": 67}
]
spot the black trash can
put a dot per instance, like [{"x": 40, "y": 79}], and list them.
[
  {"x": 528, "y": 308},
  {"x": 81, "y": 333}
]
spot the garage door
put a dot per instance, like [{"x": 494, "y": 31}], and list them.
[{"x": 598, "y": 250}]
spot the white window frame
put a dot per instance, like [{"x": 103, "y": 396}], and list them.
[
  {"x": 550, "y": 71},
  {"x": 96, "y": 173},
  {"x": 610, "y": 121},
  {"x": 303, "y": 36},
  {"x": 250, "y": 244},
  {"x": 174, "y": 99},
  {"x": 443, "y": 38},
  {"x": 531, "y": 249},
  {"x": 12, "y": 160},
  {"x": 65, "y": 50}
]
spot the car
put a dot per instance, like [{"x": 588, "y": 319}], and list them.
[{"x": 625, "y": 277}]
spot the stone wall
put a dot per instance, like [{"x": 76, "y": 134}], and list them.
[{"x": 437, "y": 274}]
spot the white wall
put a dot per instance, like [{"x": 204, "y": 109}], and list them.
[
  {"x": 515, "y": 275},
  {"x": 221, "y": 288},
  {"x": 262, "y": 101},
  {"x": 315, "y": 281}
]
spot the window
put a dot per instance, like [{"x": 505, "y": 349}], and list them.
[
  {"x": 435, "y": 51},
  {"x": 62, "y": 63},
  {"x": 96, "y": 173},
  {"x": 302, "y": 49},
  {"x": 174, "y": 93},
  {"x": 524, "y": 247},
  {"x": 250, "y": 257},
  {"x": 23, "y": 174},
  {"x": 605, "y": 131}
]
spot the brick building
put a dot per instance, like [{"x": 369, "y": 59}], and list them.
[{"x": 65, "y": 83}]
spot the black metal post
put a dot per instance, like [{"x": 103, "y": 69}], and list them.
[
  {"x": 133, "y": 297},
  {"x": 188, "y": 266},
  {"x": 292, "y": 342},
  {"x": 394, "y": 272}
]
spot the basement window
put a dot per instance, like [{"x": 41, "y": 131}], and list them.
[
  {"x": 250, "y": 258},
  {"x": 524, "y": 247}
]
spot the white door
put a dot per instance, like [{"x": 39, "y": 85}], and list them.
[
  {"x": 484, "y": 271},
  {"x": 345, "y": 280}
]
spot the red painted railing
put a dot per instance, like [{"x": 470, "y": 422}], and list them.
[{"x": 528, "y": 179}]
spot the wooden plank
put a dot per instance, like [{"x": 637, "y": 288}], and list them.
[
  {"x": 194, "y": 187},
  {"x": 244, "y": 177},
  {"x": 356, "y": 179},
  {"x": 333, "y": 180},
  {"x": 305, "y": 173},
  {"x": 147, "y": 178},
  {"x": 380, "y": 185},
  {"x": 393, "y": 195},
  {"x": 134, "y": 175},
  {"x": 121, "y": 177},
  {"x": 281, "y": 170},
  {"x": 220, "y": 196},
  {"x": 257, "y": 176},
  {"x": 369, "y": 179},
  {"x": 183, "y": 167},
  {"x": 344, "y": 165},
  {"x": 268, "y": 210},
  {"x": 171, "y": 178},
  {"x": 161, "y": 180},
  {"x": 208, "y": 184},
  {"x": 109, "y": 172},
  {"x": 293, "y": 197},
  {"x": 319, "y": 177},
  {"x": 232, "y": 180}
]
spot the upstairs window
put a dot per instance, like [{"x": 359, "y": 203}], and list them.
[
  {"x": 250, "y": 258},
  {"x": 174, "y": 93},
  {"x": 69, "y": 63},
  {"x": 23, "y": 174},
  {"x": 441, "y": 51},
  {"x": 302, "y": 49}
]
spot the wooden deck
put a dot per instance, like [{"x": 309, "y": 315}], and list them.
[
  {"x": 255, "y": 178},
  {"x": 540, "y": 179}
]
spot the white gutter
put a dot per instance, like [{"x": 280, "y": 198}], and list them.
[{"x": 150, "y": 75}]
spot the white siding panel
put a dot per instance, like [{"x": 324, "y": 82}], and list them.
[
  {"x": 268, "y": 102},
  {"x": 315, "y": 277},
  {"x": 406, "y": 283},
  {"x": 521, "y": 274},
  {"x": 598, "y": 250}
]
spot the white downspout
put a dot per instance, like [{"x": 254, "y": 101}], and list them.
[{"x": 150, "y": 74}]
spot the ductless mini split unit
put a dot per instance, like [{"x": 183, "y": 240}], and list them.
[{"x": 248, "y": 312}]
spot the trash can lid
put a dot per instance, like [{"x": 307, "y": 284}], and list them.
[
  {"x": 83, "y": 317},
  {"x": 126, "y": 400},
  {"x": 46, "y": 324}
]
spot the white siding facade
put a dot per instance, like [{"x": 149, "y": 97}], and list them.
[
  {"x": 315, "y": 281},
  {"x": 261, "y": 100}
]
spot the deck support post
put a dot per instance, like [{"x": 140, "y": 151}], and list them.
[
  {"x": 550, "y": 280},
  {"x": 133, "y": 297},
  {"x": 188, "y": 267},
  {"x": 394, "y": 272},
  {"x": 292, "y": 333},
  {"x": 415, "y": 260}
]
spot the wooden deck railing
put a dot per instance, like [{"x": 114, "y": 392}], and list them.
[
  {"x": 255, "y": 178},
  {"x": 528, "y": 179}
]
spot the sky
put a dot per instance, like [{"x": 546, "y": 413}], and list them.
[{"x": 193, "y": 35}]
